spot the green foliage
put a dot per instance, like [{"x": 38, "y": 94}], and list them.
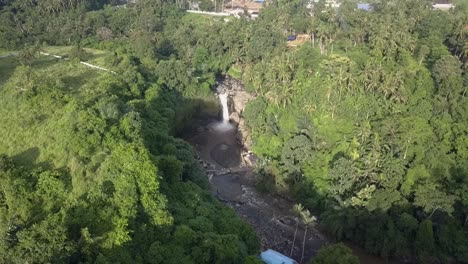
[
  {"x": 28, "y": 54},
  {"x": 252, "y": 260},
  {"x": 361, "y": 119},
  {"x": 78, "y": 53},
  {"x": 335, "y": 254},
  {"x": 425, "y": 241},
  {"x": 365, "y": 124},
  {"x": 103, "y": 179},
  {"x": 206, "y": 5},
  {"x": 32, "y": 206},
  {"x": 429, "y": 197}
]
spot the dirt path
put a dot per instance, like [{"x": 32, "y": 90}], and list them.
[
  {"x": 60, "y": 57},
  {"x": 7, "y": 56},
  {"x": 82, "y": 62}
]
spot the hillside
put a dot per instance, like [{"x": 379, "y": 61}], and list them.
[
  {"x": 361, "y": 130},
  {"x": 81, "y": 183}
]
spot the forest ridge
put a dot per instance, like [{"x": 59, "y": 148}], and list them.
[{"x": 365, "y": 124}]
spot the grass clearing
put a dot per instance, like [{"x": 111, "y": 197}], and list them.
[
  {"x": 4, "y": 52},
  {"x": 34, "y": 129},
  {"x": 73, "y": 73},
  {"x": 201, "y": 19},
  {"x": 97, "y": 57},
  {"x": 7, "y": 68}
]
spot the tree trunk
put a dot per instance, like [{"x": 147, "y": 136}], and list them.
[
  {"x": 432, "y": 213},
  {"x": 303, "y": 244},
  {"x": 321, "y": 46},
  {"x": 294, "y": 240}
]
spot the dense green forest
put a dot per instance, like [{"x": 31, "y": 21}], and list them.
[
  {"x": 366, "y": 125},
  {"x": 89, "y": 169}
]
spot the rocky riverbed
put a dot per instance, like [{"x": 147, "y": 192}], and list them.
[
  {"x": 230, "y": 167},
  {"x": 233, "y": 181}
]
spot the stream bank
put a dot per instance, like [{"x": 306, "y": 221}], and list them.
[
  {"x": 232, "y": 181},
  {"x": 229, "y": 166}
]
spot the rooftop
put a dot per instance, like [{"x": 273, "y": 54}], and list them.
[{"x": 272, "y": 257}]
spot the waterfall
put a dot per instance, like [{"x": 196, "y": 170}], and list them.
[
  {"x": 223, "y": 99},
  {"x": 224, "y": 125}
]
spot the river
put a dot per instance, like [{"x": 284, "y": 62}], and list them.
[{"x": 232, "y": 180}]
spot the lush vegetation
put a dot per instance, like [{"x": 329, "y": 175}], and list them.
[
  {"x": 89, "y": 169},
  {"x": 335, "y": 254},
  {"x": 366, "y": 124}
]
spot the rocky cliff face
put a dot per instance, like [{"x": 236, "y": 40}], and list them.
[{"x": 238, "y": 99}]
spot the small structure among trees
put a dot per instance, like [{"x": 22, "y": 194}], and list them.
[
  {"x": 444, "y": 5},
  {"x": 299, "y": 40},
  {"x": 272, "y": 257}
]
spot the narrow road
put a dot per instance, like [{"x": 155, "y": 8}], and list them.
[
  {"x": 62, "y": 58},
  {"x": 82, "y": 62},
  {"x": 7, "y": 56}
]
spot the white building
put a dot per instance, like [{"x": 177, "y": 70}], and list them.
[
  {"x": 329, "y": 3},
  {"x": 443, "y": 7}
]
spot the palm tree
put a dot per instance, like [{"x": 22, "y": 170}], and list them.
[
  {"x": 333, "y": 110},
  {"x": 238, "y": 53},
  {"x": 258, "y": 84},
  {"x": 298, "y": 208},
  {"x": 249, "y": 74},
  {"x": 370, "y": 76},
  {"x": 310, "y": 107},
  {"x": 28, "y": 54},
  {"x": 273, "y": 97},
  {"x": 308, "y": 220},
  {"x": 364, "y": 131},
  {"x": 464, "y": 50},
  {"x": 283, "y": 73},
  {"x": 25, "y": 4},
  {"x": 285, "y": 95},
  {"x": 460, "y": 30}
]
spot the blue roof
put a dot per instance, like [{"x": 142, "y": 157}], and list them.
[
  {"x": 366, "y": 7},
  {"x": 273, "y": 257}
]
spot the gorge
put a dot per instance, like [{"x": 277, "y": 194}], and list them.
[{"x": 230, "y": 167}]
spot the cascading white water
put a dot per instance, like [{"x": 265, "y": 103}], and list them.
[
  {"x": 223, "y": 99},
  {"x": 224, "y": 125}
]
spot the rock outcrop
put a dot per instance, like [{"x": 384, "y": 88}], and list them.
[
  {"x": 238, "y": 99},
  {"x": 244, "y": 134}
]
